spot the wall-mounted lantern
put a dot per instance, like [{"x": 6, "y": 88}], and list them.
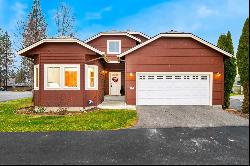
[
  {"x": 218, "y": 75},
  {"x": 131, "y": 74}
]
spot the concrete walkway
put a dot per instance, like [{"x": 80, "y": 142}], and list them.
[
  {"x": 236, "y": 102},
  {"x": 115, "y": 102}
]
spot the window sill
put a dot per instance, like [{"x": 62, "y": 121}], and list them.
[{"x": 113, "y": 53}]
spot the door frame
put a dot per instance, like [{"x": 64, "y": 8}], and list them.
[
  {"x": 207, "y": 73},
  {"x": 110, "y": 82}
]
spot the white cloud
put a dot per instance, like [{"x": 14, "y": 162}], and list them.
[
  {"x": 204, "y": 11},
  {"x": 97, "y": 15}
]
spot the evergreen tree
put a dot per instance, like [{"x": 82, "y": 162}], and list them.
[
  {"x": 7, "y": 58},
  {"x": 243, "y": 64},
  {"x": 34, "y": 30},
  {"x": 225, "y": 42}
]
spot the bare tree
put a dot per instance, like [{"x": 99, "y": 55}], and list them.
[{"x": 64, "y": 20}]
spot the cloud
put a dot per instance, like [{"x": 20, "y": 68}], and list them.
[
  {"x": 204, "y": 11},
  {"x": 97, "y": 15}
]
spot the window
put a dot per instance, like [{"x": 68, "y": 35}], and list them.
[
  {"x": 53, "y": 77},
  {"x": 114, "y": 46},
  {"x": 91, "y": 77},
  {"x": 70, "y": 77},
  {"x": 62, "y": 77},
  {"x": 36, "y": 77},
  {"x": 177, "y": 77}
]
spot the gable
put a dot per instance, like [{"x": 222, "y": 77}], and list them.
[
  {"x": 112, "y": 34},
  {"x": 179, "y": 37},
  {"x": 44, "y": 41}
]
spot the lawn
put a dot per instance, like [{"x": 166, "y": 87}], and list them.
[{"x": 96, "y": 120}]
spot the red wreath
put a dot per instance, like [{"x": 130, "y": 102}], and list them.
[{"x": 115, "y": 79}]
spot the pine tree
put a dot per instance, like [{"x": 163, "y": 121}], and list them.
[
  {"x": 225, "y": 42},
  {"x": 7, "y": 58},
  {"x": 34, "y": 30},
  {"x": 1, "y": 56},
  {"x": 243, "y": 64}
]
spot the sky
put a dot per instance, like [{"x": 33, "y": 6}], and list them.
[{"x": 207, "y": 19}]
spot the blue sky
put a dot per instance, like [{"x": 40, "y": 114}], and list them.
[{"x": 205, "y": 18}]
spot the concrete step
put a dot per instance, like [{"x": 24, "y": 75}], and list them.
[{"x": 114, "y": 98}]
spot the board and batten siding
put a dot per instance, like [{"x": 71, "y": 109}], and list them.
[
  {"x": 65, "y": 53},
  {"x": 174, "y": 55}
]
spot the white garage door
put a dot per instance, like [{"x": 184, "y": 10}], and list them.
[{"x": 173, "y": 89}]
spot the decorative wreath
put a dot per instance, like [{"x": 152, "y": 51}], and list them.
[{"x": 115, "y": 79}]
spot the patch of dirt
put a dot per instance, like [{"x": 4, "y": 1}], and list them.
[
  {"x": 31, "y": 111},
  {"x": 238, "y": 113}
]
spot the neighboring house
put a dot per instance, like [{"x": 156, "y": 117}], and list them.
[{"x": 168, "y": 69}]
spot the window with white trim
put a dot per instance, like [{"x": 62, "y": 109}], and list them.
[
  {"x": 91, "y": 77},
  {"x": 113, "y": 46},
  {"x": 36, "y": 77},
  {"x": 62, "y": 76}
]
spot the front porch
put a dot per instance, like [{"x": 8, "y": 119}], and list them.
[{"x": 115, "y": 102}]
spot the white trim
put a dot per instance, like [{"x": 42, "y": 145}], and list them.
[
  {"x": 96, "y": 73},
  {"x": 110, "y": 34},
  {"x": 59, "y": 41},
  {"x": 188, "y": 35},
  {"x": 138, "y": 33},
  {"x": 199, "y": 73},
  {"x": 36, "y": 67},
  {"x": 120, "y": 46},
  {"x": 62, "y": 76},
  {"x": 113, "y": 62}
]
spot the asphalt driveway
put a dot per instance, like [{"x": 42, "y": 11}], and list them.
[
  {"x": 10, "y": 95},
  {"x": 219, "y": 145},
  {"x": 186, "y": 116}
]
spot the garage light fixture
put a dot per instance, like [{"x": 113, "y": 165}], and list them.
[
  {"x": 131, "y": 74},
  {"x": 218, "y": 74}
]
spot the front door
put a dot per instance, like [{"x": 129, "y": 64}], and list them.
[{"x": 114, "y": 83}]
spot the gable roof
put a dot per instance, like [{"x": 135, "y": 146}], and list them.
[
  {"x": 60, "y": 40},
  {"x": 138, "y": 33},
  {"x": 175, "y": 34},
  {"x": 112, "y": 33}
]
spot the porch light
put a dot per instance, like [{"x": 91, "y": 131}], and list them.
[
  {"x": 131, "y": 74},
  {"x": 218, "y": 74}
]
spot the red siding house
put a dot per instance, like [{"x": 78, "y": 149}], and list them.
[{"x": 168, "y": 69}]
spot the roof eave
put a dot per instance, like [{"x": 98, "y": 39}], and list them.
[{"x": 175, "y": 35}]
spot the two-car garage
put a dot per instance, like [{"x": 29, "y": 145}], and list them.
[{"x": 173, "y": 88}]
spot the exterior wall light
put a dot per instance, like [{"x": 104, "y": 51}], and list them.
[
  {"x": 131, "y": 74},
  {"x": 218, "y": 75}
]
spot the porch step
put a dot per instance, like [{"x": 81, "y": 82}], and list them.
[
  {"x": 114, "y": 98},
  {"x": 115, "y": 102}
]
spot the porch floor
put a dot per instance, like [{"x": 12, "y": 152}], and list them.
[{"x": 115, "y": 102}]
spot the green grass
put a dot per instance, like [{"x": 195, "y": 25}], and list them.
[
  {"x": 234, "y": 94},
  {"x": 97, "y": 120}
]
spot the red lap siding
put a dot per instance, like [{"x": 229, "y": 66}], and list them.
[{"x": 175, "y": 55}]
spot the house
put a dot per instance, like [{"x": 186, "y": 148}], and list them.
[{"x": 170, "y": 68}]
